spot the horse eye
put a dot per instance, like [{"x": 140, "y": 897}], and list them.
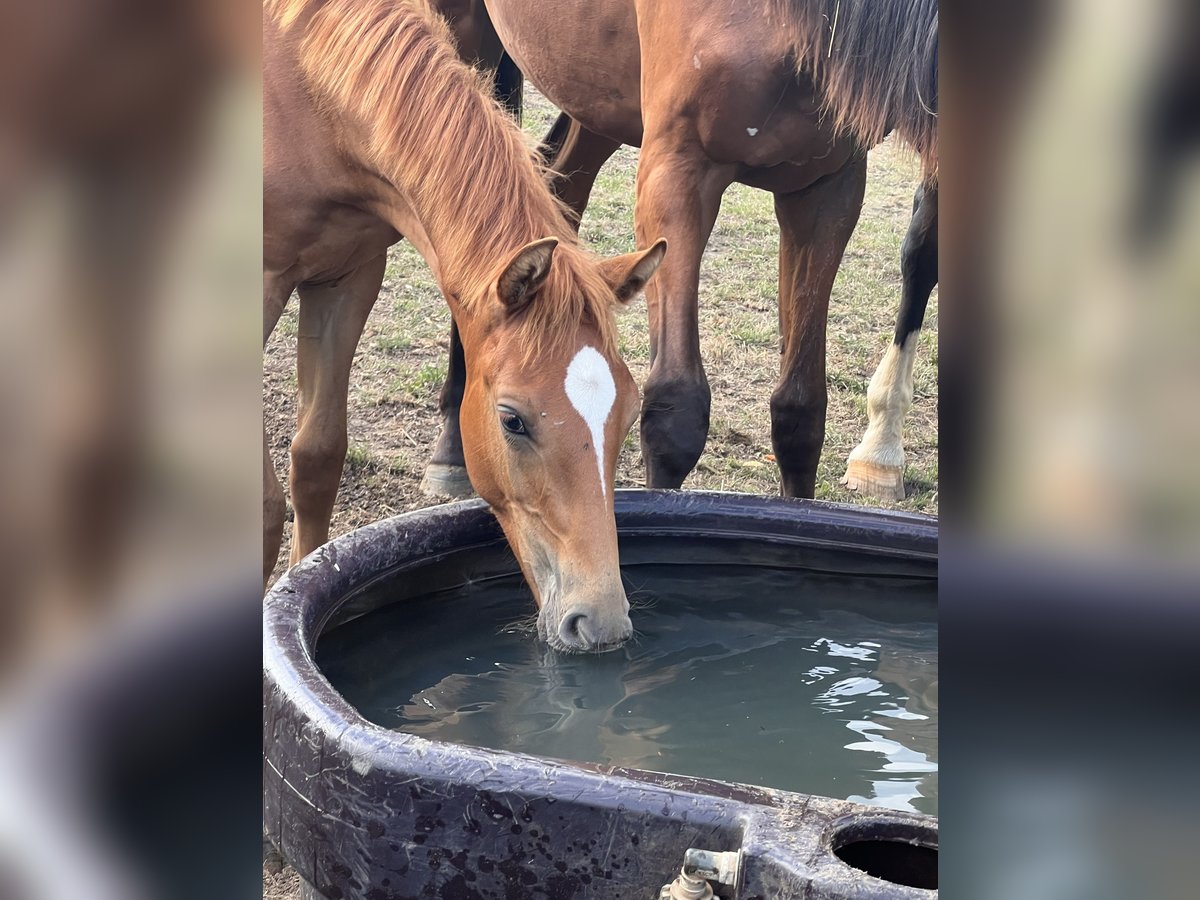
[{"x": 512, "y": 423}]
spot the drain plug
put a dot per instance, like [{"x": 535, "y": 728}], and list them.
[{"x": 699, "y": 868}]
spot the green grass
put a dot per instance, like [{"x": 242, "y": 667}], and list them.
[
  {"x": 394, "y": 343},
  {"x": 358, "y": 457}
]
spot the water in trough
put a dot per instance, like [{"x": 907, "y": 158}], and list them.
[{"x": 797, "y": 680}]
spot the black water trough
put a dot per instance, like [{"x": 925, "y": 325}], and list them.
[{"x": 361, "y": 811}]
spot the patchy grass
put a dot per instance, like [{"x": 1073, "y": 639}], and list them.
[
  {"x": 402, "y": 357},
  {"x": 358, "y": 458}
]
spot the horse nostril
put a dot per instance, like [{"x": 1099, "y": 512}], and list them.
[
  {"x": 571, "y": 630},
  {"x": 580, "y": 631}
]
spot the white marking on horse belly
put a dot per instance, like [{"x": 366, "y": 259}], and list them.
[
  {"x": 696, "y": 60},
  {"x": 592, "y": 391},
  {"x": 752, "y": 131}
]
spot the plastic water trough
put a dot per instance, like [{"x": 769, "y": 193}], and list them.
[{"x": 361, "y": 811}]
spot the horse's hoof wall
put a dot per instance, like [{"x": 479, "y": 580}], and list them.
[
  {"x": 873, "y": 480},
  {"x": 443, "y": 480}
]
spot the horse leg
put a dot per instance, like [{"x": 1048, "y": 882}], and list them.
[
  {"x": 678, "y": 197},
  {"x": 575, "y": 155},
  {"x": 332, "y": 317},
  {"x": 446, "y": 473},
  {"x": 274, "y": 513},
  {"x": 274, "y": 503},
  {"x": 876, "y": 466},
  {"x": 815, "y": 225}
]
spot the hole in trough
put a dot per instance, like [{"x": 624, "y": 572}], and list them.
[{"x": 898, "y": 852}]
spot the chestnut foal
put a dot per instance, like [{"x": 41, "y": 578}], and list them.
[{"x": 373, "y": 130}]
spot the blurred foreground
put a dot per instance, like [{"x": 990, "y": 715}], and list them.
[
  {"x": 130, "y": 216},
  {"x": 130, "y": 248}
]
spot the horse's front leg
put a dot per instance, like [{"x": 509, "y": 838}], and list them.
[
  {"x": 332, "y": 317},
  {"x": 876, "y": 466},
  {"x": 678, "y": 196},
  {"x": 815, "y": 225}
]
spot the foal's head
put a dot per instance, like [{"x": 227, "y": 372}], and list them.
[{"x": 548, "y": 403}]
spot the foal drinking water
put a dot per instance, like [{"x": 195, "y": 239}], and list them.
[{"x": 374, "y": 130}]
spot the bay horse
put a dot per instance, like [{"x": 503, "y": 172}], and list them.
[
  {"x": 783, "y": 95},
  {"x": 373, "y": 130}
]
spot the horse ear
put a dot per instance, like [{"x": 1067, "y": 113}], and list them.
[
  {"x": 525, "y": 273},
  {"x": 629, "y": 272}
]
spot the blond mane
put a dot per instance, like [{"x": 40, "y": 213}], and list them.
[{"x": 389, "y": 69}]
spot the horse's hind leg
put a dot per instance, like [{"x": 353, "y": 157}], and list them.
[
  {"x": 678, "y": 197},
  {"x": 815, "y": 225},
  {"x": 876, "y": 466},
  {"x": 332, "y": 317}
]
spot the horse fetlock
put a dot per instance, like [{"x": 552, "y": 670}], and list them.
[
  {"x": 449, "y": 448},
  {"x": 445, "y": 480},
  {"x": 675, "y": 419},
  {"x": 671, "y": 446},
  {"x": 797, "y": 423}
]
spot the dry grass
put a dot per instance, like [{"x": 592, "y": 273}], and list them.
[{"x": 401, "y": 359}]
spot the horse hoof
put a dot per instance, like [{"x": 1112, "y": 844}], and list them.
[
  {"x": 442, "y": 480},
  {"x": 874, "y": 480}
]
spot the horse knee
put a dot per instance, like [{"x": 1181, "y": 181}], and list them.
[
  {"x": 316, "y": 466},
  {"x": 675, "y": 414}
]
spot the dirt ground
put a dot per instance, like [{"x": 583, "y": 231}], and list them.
[
  {"x": 282, "y": 885},
  {"x": 401, "y": 360}
]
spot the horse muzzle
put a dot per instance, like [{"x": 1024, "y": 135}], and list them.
[
  {"x": 583, "y": 630},
  {"x": 586, "y": 625}
]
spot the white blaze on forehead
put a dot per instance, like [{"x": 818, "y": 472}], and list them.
[{"x": 592, "y": 391}]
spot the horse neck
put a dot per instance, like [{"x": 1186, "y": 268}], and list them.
[{"x": 414, "y": 113}]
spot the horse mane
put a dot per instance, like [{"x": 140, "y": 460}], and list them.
[
  {"x": 434, "y": 131},
  {"x": 875, "y": 61}
]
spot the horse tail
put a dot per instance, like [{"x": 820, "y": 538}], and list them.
[
  {"x": 875, "y": 62},
  {"x": 508, "y": 86},
  {"x": 552, "y": 143}
]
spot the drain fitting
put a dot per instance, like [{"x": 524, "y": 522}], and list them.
[{"x": 699, "y": 868}]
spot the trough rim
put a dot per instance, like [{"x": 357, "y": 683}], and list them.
[{"x": 336, "y": 571}]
